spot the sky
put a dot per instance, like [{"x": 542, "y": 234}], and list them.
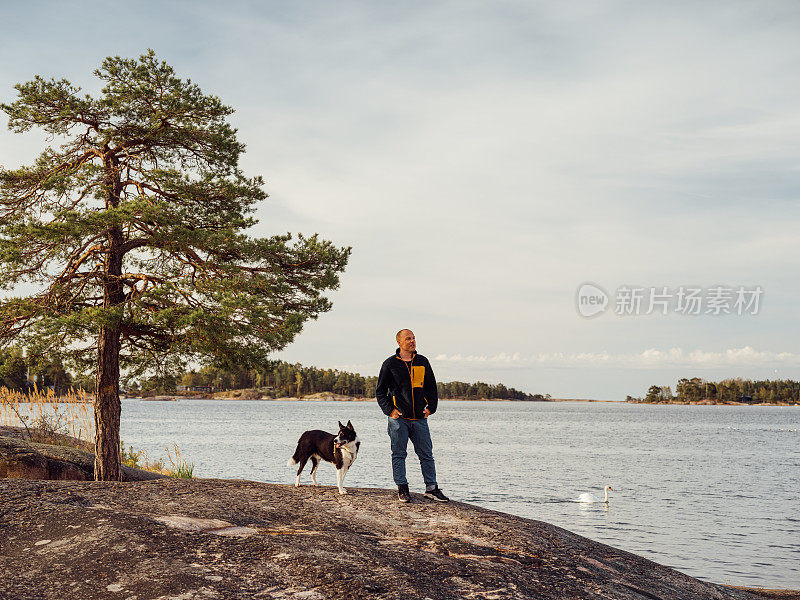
[{"x": 485, "y": 160}]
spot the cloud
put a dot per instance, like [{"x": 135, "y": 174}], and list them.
[
  {"x": 484, "y": 159},
  {"x": 649, "y": 358}
]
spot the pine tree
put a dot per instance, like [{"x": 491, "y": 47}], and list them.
[{"x": 134, "y": 228}]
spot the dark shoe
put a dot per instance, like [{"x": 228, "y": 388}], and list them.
[
  {"x": 436, "y": 494},
  {"x": 402, "y": 493}
]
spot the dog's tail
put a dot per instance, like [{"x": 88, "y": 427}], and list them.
[
  {"x": 298, "y": 454},
  {"x": 295, "y": 457}
]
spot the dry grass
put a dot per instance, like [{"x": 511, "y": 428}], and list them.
[
  {"x": 48, "y": 418},
  {"x": 140, "y": 459},
  {"x": 179, "y": 467},
  {"x": 69, "y": 421}
]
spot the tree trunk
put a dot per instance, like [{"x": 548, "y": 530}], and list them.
[{"x": 107, "y": 407}]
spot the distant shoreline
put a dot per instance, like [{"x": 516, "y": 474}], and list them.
[
  {"x": 712, "y": 403},
  {"x": 582, "y": 400},
  {"x": 335, "y": 398},
  {"x": 372, "y": 399},
  {"x": 339, "y": 398},
  {"x": 329, "y": 397}
]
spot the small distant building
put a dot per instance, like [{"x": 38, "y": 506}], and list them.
[
  {"x": 194, "y": 388},
  {"x": 746, "y": 399}
]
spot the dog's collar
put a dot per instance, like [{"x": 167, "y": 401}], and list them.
[{"x": 350, "y": 452}]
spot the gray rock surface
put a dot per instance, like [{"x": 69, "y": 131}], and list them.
[{"x": 186, "y": 539}]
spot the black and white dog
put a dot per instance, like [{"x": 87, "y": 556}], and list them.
[{"x": 341, "y": 450}]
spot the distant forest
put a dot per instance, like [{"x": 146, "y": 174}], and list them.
[
  {"x": 288, "y": 379},
  {"x": 284, "y": 379},
  {"x": 17, "y": 374},
  {"x": 726, "y": 391}
]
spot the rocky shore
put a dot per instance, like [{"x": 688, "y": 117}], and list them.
[
  {"x": 21, "y": 458},
  {"x": 153, "y": 537},
  {"x": 185, "y": 539}
]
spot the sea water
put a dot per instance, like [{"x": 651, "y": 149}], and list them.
[{"x": 712, "y": 491}]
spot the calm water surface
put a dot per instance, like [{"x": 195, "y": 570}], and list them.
[{"x": 712, "y": 491}]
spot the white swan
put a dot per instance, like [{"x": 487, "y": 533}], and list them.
[{"x": 591, "y": 498}]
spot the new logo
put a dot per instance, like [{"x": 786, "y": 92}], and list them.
[{"x": 591, "y": 300}]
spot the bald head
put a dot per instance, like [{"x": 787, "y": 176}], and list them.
[{"x": 407, "y": 342}]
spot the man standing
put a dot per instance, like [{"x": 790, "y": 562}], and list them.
[{"x": 406, "y": 393}]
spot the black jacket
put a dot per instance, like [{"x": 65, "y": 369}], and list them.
[{"x": 408, "y": 387}]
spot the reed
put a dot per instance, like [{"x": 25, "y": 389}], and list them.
[
  {"x": 140, "y": 459},
  {"x": 48, "y": 418},
  {"x": 69, "y": 421},
  {"x": 180, "y": 467}
]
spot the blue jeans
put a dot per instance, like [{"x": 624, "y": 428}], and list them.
[{"x": 400, "y": 430}]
